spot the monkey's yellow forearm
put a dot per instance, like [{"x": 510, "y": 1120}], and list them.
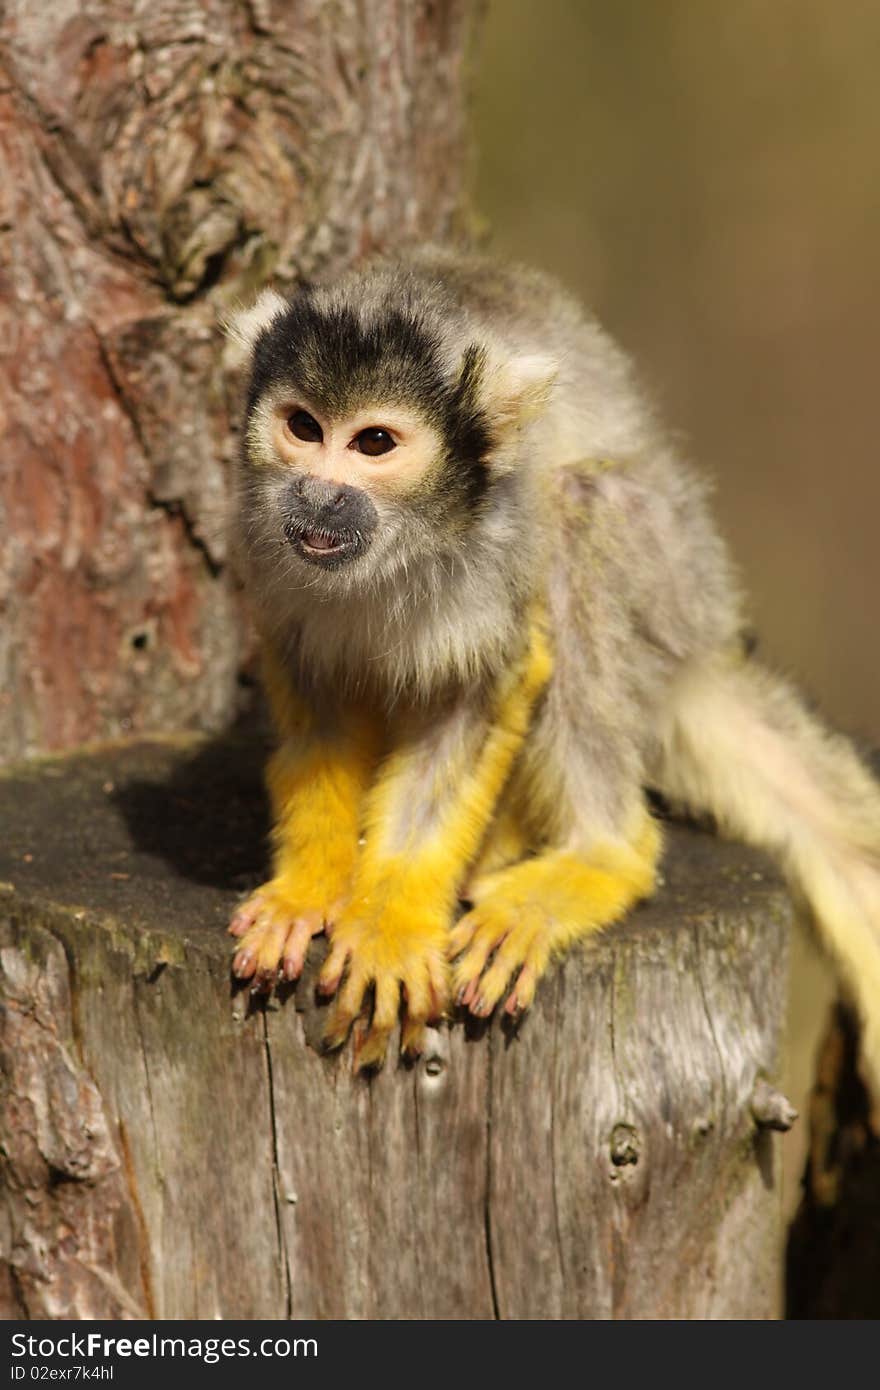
[
  {"x": 316, "y": 791},
  {"x": 316, "y": 781}
]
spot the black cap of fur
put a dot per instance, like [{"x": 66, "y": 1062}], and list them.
[{"x": 340, "y": 363}]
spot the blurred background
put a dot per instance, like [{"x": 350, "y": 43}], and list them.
[{"x": 707, "y": 178}]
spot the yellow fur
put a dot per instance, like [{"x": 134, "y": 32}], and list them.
[
  {"x": 387, "y": 911},
  {"x": 505, "y": 843},
  {"x": 316, "y": 786},
  {"x": 535, "y": 909}
]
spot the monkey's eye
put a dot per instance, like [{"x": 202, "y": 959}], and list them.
[
  {"x": 373, "y": 441},
  {"x": 305, "y": 426}
]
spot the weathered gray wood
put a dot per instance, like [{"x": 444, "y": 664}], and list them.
[{"x": 172, "y": 1148}]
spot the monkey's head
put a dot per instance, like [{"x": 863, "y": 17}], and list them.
[{"x": 379, "y": 421}]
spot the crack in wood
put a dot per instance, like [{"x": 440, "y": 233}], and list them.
[
  {"x": 148, "y": 1310},
  {"x": 492, "y": 1043},
  {"x": 554, "y": 1173},
  {"x": 701, "y": 984},
  {"x": 277, "y": 1196}
]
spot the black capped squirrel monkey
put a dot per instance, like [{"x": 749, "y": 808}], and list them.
[{"x": 493, "y": 608}]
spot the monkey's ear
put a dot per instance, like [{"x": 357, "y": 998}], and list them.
[
  {"x": 244, "y": 326},
  {"x": 517, "y": 389}
]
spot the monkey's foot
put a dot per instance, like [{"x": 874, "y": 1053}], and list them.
[
  {"x": 526, "y": 914},
  {"x": 391, "y": 957},
  {"x": 275, "y": 926}
]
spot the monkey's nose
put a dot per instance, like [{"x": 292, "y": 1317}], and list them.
[
  {"x": 328, "y": 517},
  {"x": 332, "y": 504}
]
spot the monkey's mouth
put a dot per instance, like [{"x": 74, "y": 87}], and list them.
[{"x": 322, "y": 546}]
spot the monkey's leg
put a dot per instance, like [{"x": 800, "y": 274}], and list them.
[
  {"x": 316, "y": 780},
  {"x": 506, "y": 841},
  {"x": 526, "y": 914},
  {"x": 425, "y": 818}
]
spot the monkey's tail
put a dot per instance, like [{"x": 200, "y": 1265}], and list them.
[{"x": 738, "y": 742}]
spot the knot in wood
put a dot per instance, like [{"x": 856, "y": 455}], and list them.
[
  {"x": 770, "y": 1108},
  {"x": 625, "y": 1145}
]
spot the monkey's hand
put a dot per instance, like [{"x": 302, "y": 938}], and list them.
[
  {"x": 276, "y": 924},
  {"x": 526, "y": 914},
  {"x": 394, "y": 944}
]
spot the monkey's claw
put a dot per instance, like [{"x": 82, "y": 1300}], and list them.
[
  {"x": 275, "y": 929},
  {"x": 396, "y": 963}
]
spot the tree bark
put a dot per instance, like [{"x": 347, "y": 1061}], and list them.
[
  {"x": 159, "y": 160},
  {"x": 172, "y": 1147},
  {"x": 834, "y": 1242}
]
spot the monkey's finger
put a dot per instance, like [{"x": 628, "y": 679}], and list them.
[
  {"x": 346, "y": 1008},
  {"x": 297, "y": 944},
  {"x": 269, "y": 950},
  {"x": 509, "y": 957},
  {"x": 413, "y": 1037},
  {"x": 259, "y": 951},
  {"x": 495, "y": 979},
  {"x": 371, "y": 1053},
  {"x": 246, "y": 916},
  {"x": 243, "y": 964},
  {"x": 468, "y": 994},
  {"x": 420, "y": 994},
  {"x": 470, "y": 967},
  {"x": 426, "y": 998},
  {"x": 331, "y": 970},
  {"x": 438, "y": 990},
  {"x": 461, "y": 935},
  {"x": 522, "y": 995}
]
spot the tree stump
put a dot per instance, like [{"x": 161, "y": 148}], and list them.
[{"x": 173, "y": 1147}]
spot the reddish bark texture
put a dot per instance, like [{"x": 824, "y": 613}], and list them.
[{"x": 158, "y": 161}]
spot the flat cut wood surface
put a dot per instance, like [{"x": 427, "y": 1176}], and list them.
[{"x": 172, "y": 1147}]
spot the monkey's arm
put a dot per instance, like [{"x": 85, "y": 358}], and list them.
[
  {"x": 576, "y": 797},
  {"x": 316, "y": 779},
  {"x": 629, "y": 618},
  {"x": 425, "y": 817}
]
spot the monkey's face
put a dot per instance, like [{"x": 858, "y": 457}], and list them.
[
  {"x": 344, "y": 491},
  {"x": 378, "y": 426}
]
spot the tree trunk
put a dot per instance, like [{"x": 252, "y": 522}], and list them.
[
  {"x": 159, "y": 160},
  {"x": 834, "y": 1242},
  {"x": 172, "y": 1147}
]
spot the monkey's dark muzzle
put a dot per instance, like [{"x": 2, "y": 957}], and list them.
[{"x": 328, "y": 524}]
